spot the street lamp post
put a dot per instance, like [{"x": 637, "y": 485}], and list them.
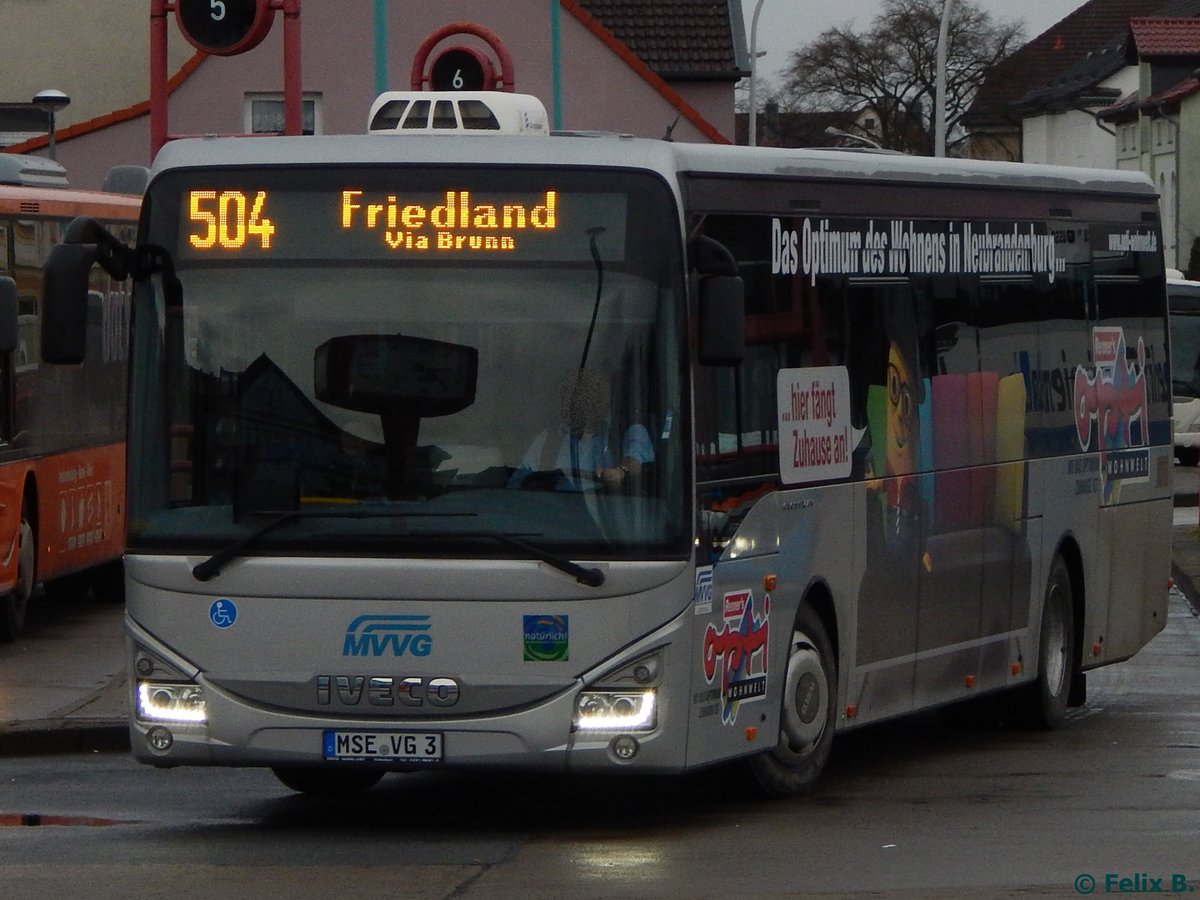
[
  {"x": 556, "y": 62},
  {"x": 51, "y": 101},
  {"x": 753, "y": 118},
  {"x": 939, "y": 135}
]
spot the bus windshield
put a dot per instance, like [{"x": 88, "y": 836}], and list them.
[{"x": 437, "y": 361}]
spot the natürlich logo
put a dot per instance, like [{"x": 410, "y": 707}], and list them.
[{"x": 545, "y": 638}]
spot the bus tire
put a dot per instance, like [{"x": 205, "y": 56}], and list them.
[
  {"x": 326, "y": 781},
  {"x": 15, "y": 603},
  {"x": 1045, "y": 701},
  {"x": 807, "y": 717}
]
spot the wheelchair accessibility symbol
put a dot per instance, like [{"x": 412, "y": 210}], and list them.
[{"x": 222, "y": 613}]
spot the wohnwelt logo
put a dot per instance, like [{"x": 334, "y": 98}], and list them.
[{"x": 388, "y": 636}]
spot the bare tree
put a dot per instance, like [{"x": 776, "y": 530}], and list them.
[{"x": 889, "y": 71}]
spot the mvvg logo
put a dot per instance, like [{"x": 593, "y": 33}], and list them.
[{"x": 388, "y": 635}]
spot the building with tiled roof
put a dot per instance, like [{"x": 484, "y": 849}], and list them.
[
  {"x": 679, "y": 39},
  {"x": 1158, "y": 126},
  {"x": 646, "y": 67},
  {"x": 1114, "y": 84},
  {"x": 1087, "y": 44},
  {"x": 1080, "y": 85}
]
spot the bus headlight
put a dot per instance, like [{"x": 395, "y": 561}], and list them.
[
  {"x": 159, "y": 701},
  {"x": 615, "y": 711}
]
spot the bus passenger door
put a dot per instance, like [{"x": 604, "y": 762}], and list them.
[
  {"x": 1126, "y": 388},
  {"x": 737, "y": 500},
  {"x": 885, "y": 358},
  {"x": 742, "y": 530}
]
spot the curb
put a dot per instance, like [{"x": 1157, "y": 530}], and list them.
[
  {"x": 97, "y": 723},
  {"x": 1187, "y": 587}
]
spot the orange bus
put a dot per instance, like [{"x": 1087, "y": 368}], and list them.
[{"x": 62, "y": 428}]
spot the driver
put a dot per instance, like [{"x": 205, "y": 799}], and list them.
[{"x": 583, "y": 452}]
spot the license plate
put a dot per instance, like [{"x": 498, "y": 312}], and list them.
[{"x": 384, "y": 746}]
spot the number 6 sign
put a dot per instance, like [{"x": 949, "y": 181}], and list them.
[{"x": 224, "y": 27}]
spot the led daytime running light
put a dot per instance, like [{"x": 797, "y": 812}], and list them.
[
  {"x": 171, "y": 703},
  {"x": 615, "y": 711}
]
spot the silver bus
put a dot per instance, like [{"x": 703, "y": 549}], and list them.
[{"x": 590, "y": 453}]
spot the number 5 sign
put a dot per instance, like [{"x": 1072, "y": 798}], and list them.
[{"x": 224, "y": 27}]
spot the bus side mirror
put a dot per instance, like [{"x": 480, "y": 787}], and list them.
[
  {"x": 64, "y": 302},
  {"x": 8, "y": 315},
  {"x": 722, "y": 320}
]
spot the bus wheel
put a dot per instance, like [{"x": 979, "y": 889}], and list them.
[
  {"x": 1045, "y": 701},
  {"x": 807, "y": 718},
  {"x": 14, "y": 604},
  {"x": 327, "y": 782}
]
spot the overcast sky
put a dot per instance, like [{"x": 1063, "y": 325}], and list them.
[{"x": 786, "y": 25}]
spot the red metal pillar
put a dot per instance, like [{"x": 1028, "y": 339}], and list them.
[
  {"x": 158, "y": 74},
  {"x": 293, "y": 112},
  {"x": 506, "y": 80}
]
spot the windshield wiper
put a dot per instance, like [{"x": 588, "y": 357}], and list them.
[
  {"x": 592, "y": 577},
  {"x": 211, "y": 567}
]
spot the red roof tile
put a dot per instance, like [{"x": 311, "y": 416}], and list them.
[
  {"x": 1175, "y": 93},
  {"x": 1166, "y": 37},
  {"x": 644, "y": 72},
  {"x": 675, "y": 38},
  {"x": 1165, "y": 100}
]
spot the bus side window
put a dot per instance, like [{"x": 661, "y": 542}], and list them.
[
  {"x": 790, "y": 323},
  {"x": 1128, "y": 285},
  {"x": 1061, "y": 345},
  {"x": 887, "y": 369},
  {"x": 8, "y": 328},
  {"x": 736, "y": 427}
]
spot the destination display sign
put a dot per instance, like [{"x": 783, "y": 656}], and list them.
[{"x": 353, "y": 222}]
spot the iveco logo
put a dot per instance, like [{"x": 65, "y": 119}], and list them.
[
  {"x": 384, "y": 690},
  {"x": 388, "y": 635}
]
